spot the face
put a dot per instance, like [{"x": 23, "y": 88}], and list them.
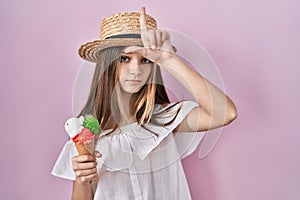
[{"x": 133, "y": 72}]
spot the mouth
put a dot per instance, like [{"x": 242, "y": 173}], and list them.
[{"x": 133, "y": 81}]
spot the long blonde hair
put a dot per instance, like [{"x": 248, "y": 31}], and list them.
[{"x": 104, "y": 97}]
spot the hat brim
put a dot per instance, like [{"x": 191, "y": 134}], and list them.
[{"x": 90, "y": 50}]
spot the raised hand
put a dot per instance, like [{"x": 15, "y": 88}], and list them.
[{"x": 157, "y": 43}]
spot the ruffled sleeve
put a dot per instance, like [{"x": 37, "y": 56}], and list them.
[
  {"x": 186, "y": 142},
  {"x": 63, "y": 166}
]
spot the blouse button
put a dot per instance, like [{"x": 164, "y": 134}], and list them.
[{"x": 135, "y": 181}]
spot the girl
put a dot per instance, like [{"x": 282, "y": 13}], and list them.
[{"x": 136, "y": 154}]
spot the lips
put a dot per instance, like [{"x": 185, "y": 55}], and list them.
[{"x": 133, "y": 81}]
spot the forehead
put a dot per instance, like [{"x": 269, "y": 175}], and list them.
[{"x": 132, "y": 50}]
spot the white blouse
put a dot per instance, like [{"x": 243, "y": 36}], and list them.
[{"x": 136, "y": 164}]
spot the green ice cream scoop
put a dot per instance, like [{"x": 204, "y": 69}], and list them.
[{"x": 91, "y": 123}]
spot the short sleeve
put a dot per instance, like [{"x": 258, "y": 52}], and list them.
[
  {"x": 174, "y": 113},
  {"x": 186, "y": 142},
  {"x": 63, "y": 166}
]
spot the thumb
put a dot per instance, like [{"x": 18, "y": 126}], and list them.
[{"x": 97, "y": 154}]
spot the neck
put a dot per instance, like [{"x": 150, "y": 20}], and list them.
[{"x": 128, "y": 101}]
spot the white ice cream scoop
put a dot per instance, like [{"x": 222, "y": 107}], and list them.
[{"x": 74, "y": 125}]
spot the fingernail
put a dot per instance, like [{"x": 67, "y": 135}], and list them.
[{"x": 98, "y": 154}]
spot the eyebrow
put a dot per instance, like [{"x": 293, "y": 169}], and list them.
[{"x": 129, "y": 53}]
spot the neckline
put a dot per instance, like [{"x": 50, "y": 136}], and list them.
[
  {"x": 104, "y": 132},
  {"x": 157, "y": 107}
]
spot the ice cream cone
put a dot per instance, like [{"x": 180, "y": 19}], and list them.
[
  {"x": 84, "y": 142},
  {"x": 81, "y": 149},
  {"x": 84, "y": 133},
  {"x": 90, "y": 147}
]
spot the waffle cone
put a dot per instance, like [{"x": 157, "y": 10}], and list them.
[
  {"x": 90, "y": 147},
  {"x": 82, "y": 150}
]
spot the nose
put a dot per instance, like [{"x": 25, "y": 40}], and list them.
[{"x": 135, "y": 67}]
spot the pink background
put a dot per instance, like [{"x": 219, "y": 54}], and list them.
[{"x": 255, "y": 44}]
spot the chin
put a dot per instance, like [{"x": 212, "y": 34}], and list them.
[{"x": 131, "y": 91}]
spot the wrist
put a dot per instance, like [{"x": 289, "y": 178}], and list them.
[
  {"x": 83, "y": 183},
  {"x": 170, "y": 60},
  {"x": 82, "y": 191}
]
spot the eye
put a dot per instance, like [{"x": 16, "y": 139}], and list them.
[
  {"x": 124, "y": 59},
  {"x": 146, "y": 61}
]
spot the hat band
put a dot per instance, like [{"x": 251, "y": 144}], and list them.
[{"x": 124, "y": 36}]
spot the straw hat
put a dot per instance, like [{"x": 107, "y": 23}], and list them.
[{"x": 121, "y": 29}]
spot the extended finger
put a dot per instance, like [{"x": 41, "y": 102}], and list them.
[
  {"x": 143, "y": 25},
  {"x": 144, "y": 29}
]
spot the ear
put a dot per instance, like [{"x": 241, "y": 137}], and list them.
[{"x": 81, "y": 119}]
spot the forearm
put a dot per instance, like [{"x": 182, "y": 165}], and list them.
[
  {"x": 82, "y": 191},
  {"x": 85, "y": 167},
  {"x": 212, "y": 99}
]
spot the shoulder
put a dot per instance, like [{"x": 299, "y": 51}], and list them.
[
  {"x": 167, "y": 107},
  {"x": 172, "y": 112}
]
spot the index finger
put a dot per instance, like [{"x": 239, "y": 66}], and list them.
[
  {"x": 83, "y": 158},
  {"x": 143, "y": 24}
]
